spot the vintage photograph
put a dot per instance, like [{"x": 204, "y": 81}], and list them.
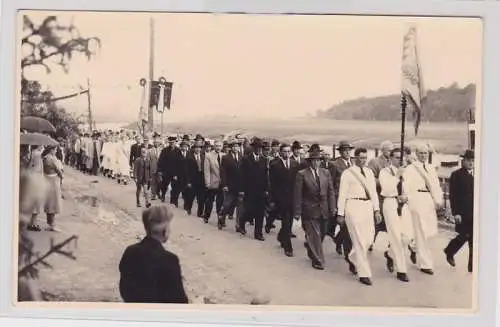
[{"x": 200, "y": 158}]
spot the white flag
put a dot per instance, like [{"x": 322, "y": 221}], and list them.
[{"x": 412, "y": 83}]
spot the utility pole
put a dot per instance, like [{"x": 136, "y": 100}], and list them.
[
  {"x": 89, "y": 104},
  {"x": 151, "y": 71}
]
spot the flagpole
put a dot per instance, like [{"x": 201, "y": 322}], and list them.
[
  {"x": 402, "y": 151},
  {"x": 151, "y": 72}
]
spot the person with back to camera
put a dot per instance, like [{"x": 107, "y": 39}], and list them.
[{"x": 148, "y": 272}]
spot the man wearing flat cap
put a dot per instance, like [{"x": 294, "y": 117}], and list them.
[
  {"x": 148, "y": 272},
  {"x": 462, "y": 208},
  {"x": 255, "y": 184},
  {"x": 314, "y": 204}
]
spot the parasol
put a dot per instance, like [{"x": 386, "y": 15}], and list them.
[
  {"x": 37, "y": 124},
  {"x": 37, "y": 139}
]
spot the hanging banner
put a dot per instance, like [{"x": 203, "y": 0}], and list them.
[
  {"x": 154, "y": 94},
  {"x": 167, "y": 97}
]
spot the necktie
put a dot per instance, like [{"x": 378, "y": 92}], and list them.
[
  {"x": 287, "y": 165},
  {"x": 316, "y": 175},
  {"x": 348, "y": 164},
  {"x": 362, "y": 171},
  {"x": 198, "y": 162},
  {"x": 218, "y": 159}
]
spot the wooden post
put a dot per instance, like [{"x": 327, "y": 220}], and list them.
[
  {"x": 333, "y": 151},
  {"x": 89, "y": 105}
]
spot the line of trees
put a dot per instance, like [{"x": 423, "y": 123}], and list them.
[{"x": 442, "y": 105}]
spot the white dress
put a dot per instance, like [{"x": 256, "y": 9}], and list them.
[{"x": 122, "y": 160}]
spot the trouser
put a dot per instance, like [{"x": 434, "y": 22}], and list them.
[
  {"x": 285, "y": 232},
  {"x": 359, "y": 222},
  {"x": 465, "y": 235},
  {"x": 314, "y": 230},
  {"x": 155, "y": 187},
  {"x": 144, "y": 188},
  {"x": 396, "y": 227},
  {"x": 424, "y": 222},
  {"x": 212, "y": 195},
  {"x": 254, "y": 208},
  {"x": 167, "y": 180},
  {"x": 230, "y": 203},
  {"x": 195, "y": 192},
  {"x": 271, "y": 213}
]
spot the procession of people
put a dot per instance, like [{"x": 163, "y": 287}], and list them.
[{"x": 262, "y": 182}]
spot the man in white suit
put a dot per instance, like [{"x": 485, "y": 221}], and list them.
[
  {"x": 213, "y": 181},
  {"x": 357, "y": 205},
  {"x": 424, "y": 198}
]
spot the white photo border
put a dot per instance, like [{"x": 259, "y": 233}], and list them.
[{"x": 489, "y": 11}]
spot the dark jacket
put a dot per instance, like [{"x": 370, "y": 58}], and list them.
[
  {"x": 462, "y": 197},
  {"x": 195, "y": 174},
  {"x": 336, "y": 168},
  {"x": 135, "y": 152},
  {"x": 151, "y": 274},
  {"x": 313, "y": 202},
  {"x": 142, "y": 170},
  {"x": 254, "y": 176},
  {"x": 282, "y": 183},
  {"x": 230, "y": 173},
  {"x": 169, "y": 161}
]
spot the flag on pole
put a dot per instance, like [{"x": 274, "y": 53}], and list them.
[{"x": 412, "y": 83}]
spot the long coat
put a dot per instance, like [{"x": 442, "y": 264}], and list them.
[
  {"x": 254, "y": 176},
  {"x": 311, "y": 202},
  {"x": 211, "y": 171},
  {"x": 169, "y": 161},
  {"x": 194, "y": 173},
  {"x": 462, "y": 199},
  {"x": 283, "y": 183},
  {"x": 231, "y": 174},
  {"x": 150, "y": 274},
  {"x": 336, "y": 168}
]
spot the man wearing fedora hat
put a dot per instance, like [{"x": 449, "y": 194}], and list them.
[
  {"x": 314, "y": 204},
  {"x": 255, "y": 188},
  {"x": 296, "y": 155},
  {"x": 462, "y": 208},
  {"x": 167, "y": 168},
  {"x": 338, "y": 166}
]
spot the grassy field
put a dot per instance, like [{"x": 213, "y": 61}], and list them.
[{"x": 447, "y": 138}]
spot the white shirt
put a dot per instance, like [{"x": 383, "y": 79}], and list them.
[
  {"x": 286, "y": 162},
  {"x": 351, "y": 188},
  {"x": 389, "y": 182},
  {"x": 414, "y": 181}
]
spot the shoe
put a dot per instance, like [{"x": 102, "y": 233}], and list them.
[
  {"x": 427, "y": 271},
  {"x": 34, "y": 228},
  {"x": 365, "y": 280},
  {"x": 289, "y": 253},
  {"x": 352, "y": 267},
  {"x": 259, "y": 238},
  {"x": 389, "y": 262},
  {"x": 449, "y": 259},
  {"x": 318, "y": 266},
  {"x": 370, "y": 249},
  {"x": 267, "y": 229},
  {"x": 293, "y": 235},
  {"x": 148, "y": 205},
  {"x": 413, "y": 255},
  {"x": 402, "y": 277},
  {"x": 138, "y": 205}
]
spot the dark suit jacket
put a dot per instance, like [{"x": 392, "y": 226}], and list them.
[
  {"x": 150, "y": 274},
  {"x": 194, "y": 174},
  {"x": 169, "y": 161},
  {"x": 283, "y": 183},
  {"x": 336, "y": 168},
  {"x": 135, "y": 152},
  {"x": 311, "y": 202},
  {"x": 230, "y": 173},
  {"x": 254, "y": 176},
  {"x": 142, "y": 170},
  {"x": 462, "y": 197}
]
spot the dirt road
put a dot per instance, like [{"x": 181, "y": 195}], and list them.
[{"x": 226, "y": 267}]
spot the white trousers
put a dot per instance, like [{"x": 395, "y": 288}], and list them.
[
  {"x": 423, "y": 213},
  {"x": 399, "y": 231},
  {"x": 359, "y": 223}
]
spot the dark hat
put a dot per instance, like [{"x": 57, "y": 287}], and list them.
[
  {"x": 314, "y": 148},
  {"x": 184, "y": 142},
  {"x": 235, "y": 142},
  {"x": 344, "y": 145},
  {"x": 314, "y": 152},
  {"x": 207, "y": 143},
  {"x": 198, "y": 137},
  {"x": 256, "y": 143},
  {"x": 468, "y": 154},
  {"x": 186, "y": 137},
  {"x": 296, "y": 145},
  {"x": 172, "y": 138}
]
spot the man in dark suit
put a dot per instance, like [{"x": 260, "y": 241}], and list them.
[
  {"x": 462, "y": 208},
  {"x": 195, "y": 188},
  {"x": 337, "y": 167},
  {"x": 149, "y": 273},
  {"x": 135, "y": 150},
  {"x": 314, "y": 204},
  {"x": 231, "y": 183},
  {"x": 255, "y": 188},
  {"x": 297, "y": 156},
  {"x": 142, "y": 176},
  {"x": 168, "y": 163},
  {"x": 282, "y": 177}
]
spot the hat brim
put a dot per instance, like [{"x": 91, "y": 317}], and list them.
[{"x": 350, "y": 147}]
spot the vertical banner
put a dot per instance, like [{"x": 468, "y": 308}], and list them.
[
  {"x": 167, "y": 98},
  {"x": 154, "y": 94}
]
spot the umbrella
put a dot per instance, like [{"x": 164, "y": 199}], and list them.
[
  {"x": 37, "y": 124},
  {"x": 37, "y": 139}
]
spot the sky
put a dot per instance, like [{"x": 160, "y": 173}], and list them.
[{"x": 258, "y": 65}]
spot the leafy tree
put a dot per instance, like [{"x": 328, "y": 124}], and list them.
[{"x": 48, "y": 45}]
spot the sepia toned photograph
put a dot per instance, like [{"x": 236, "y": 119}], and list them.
[{"x": 245, "y": 159}]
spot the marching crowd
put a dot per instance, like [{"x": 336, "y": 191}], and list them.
[{"x": 258, "y": 183}]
